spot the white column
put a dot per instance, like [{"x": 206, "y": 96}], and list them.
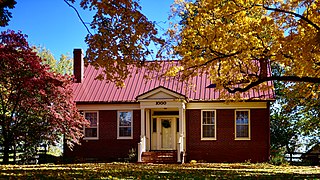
[
  {"x": 143, "y": 125},
  {"x": 148, "y": 129},
  {"x": 142, "y": 145},
  {"x": 181, "y": 132}
]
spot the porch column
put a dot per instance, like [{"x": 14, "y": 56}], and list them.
[
  {"x": 142, "y": 144},
  {"x": 148, "y": 129},
  {"x": 143, "y": 125},
  {"x": 181, "y": 141}
]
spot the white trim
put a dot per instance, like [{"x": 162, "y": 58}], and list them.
[
  {"x": 235, "y": 125},
  {"x": 167, "y": 104},
  {"x": 159, "y": 90},
  {"x": 230, "y": 105},
  {"x": 215, "y": 125},
  {"x": 92, "y": 107},
  {"x": 118, "y": 123},
  {"x": 91, "y": 138},
  {"x": 160, "y": 133}
]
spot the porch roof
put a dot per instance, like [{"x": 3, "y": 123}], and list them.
[{"x": 91, "y": 90}]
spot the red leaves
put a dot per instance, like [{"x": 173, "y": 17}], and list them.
[{"x": 34, "y": 101}]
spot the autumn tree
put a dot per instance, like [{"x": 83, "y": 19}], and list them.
[
  {"x": 122, "y": 36},
  {"x": 36, "y": 105},
  {"x": 62, "y": 66},
  {"x": 235, "y": 40},
  {"x": 5, "y": 14}
]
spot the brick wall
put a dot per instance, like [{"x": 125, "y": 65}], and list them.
[
  {"x": 226, "y": 148},
  {"x": 107, "y": 147}
]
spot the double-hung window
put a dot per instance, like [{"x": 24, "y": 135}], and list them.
[
  {"x": 242, "y": 124},
  {"x": 125, "y": 124},
  {"x": 91, "y": 132},
  {"x": 208, "y": 125}
]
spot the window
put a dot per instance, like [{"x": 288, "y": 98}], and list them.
[
  {"x": 154, "y": 125},
  {"x": 124, "y": 124},
  {"x": 92, "y": 131},
  {"x": 242, "y": 124},
  {"x": 208, "y": 125}
]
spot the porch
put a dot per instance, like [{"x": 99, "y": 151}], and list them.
[{"x": 162, "y": 138}]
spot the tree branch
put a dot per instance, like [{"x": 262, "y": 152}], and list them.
[
  {"x": 78, "y": 14},
  {"x": 213, "y": 59},
  {"x": 292, "y": 13},
  {"x": 273, "y": 78}
]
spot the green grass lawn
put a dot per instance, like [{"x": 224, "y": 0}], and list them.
[{"x": 151, "y": 171}]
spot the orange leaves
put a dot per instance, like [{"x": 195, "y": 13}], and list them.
[{"x": 123, "y": 35}]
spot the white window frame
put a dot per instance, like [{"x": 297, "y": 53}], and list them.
[
  {"x": 118, "y": 124},
  {"x": 215, "y": 125},
  {"x": 235, "y": 125},
  {"x": 84, "y": 132}
]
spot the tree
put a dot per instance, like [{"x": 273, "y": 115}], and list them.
[
  {"x": 63, "y": 66},
  {"x": 122, "y": 37},
  {"x": 36, "y": 105},
  {"x": 235, "y": 41},
  {"x": 5, "y": 15},
  {"x": 294, "y": 118}
]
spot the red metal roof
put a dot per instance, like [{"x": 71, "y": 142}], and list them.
[{"x": 91, "y": 90}]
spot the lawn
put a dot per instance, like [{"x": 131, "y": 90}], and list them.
[{"x": 151, "y": 171}]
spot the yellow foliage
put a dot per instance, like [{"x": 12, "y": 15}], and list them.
[{"x": 242, "y": 35}]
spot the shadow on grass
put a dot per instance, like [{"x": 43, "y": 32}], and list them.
[{"x": 145, "y": 171}]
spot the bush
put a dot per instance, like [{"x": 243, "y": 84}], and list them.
[{"x": 277, "y": 157}]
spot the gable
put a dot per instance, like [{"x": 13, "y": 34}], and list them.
[{"x": 160, "y": 93}]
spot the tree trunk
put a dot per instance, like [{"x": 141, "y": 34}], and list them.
[
  {"x": 6, "y": 151},
  {"x": 263, "y": 67}
]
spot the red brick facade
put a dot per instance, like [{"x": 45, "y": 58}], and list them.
[
  {"x": 225, "y": 148},
  {"x": 107, "y": 147}
]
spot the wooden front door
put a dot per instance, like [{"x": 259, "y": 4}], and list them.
[{"x": 166, "y": 133}]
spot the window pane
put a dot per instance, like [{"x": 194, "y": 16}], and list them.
[
  {"x": 92, "y": 117},
  {"x": 177, "y": 124},
  {"x": 91, "y": 132},
  {"x": 242, "y": 131},
  {"x": 125, "y": 118},
  {"x": 208, "y": 131},
  {"x": 125, "y": 131},
  {"x": 208, "y": 117},
  {"x": 154, "y": 125},
  {"x": 242, "y": 117}
]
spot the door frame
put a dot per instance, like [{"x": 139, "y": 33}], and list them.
[{"x": 159, "y": 132}]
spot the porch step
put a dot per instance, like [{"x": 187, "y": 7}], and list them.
[{"x": 160, "y": 157}]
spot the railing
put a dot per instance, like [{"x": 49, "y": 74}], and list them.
[
  {"x": 141, "y": 147},
  {"x": 14, "y": 155},
  {"x": 313, "y": 158},
  {"x": 180, "y": 148}
]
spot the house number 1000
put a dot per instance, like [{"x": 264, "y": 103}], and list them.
[{"x": 161, "y": 102}]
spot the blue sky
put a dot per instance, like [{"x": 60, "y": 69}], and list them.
[{"x": 54, "y": 25}]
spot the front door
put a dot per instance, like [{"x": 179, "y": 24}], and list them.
[{"x": 166, "y": 133}]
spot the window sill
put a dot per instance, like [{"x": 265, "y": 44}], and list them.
[
  {"x": 208, "y": 139},
  {"x": 124, "y": 138},
  {"x": 242, "y": 139}
]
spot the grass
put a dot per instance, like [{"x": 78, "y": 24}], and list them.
[{"x": 151, "y": 171}]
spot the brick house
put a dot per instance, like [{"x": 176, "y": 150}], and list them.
[{"x": 163, "y": 118}]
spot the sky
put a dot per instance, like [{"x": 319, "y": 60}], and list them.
[{"x": 54, "y": 25}]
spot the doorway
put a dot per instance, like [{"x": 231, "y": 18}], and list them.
[{"x": 165, "y": 136}]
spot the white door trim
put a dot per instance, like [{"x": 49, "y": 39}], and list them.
[{"x": 173, "y": 133}]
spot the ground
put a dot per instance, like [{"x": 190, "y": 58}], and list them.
[{"x": 151, "y": 171}]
